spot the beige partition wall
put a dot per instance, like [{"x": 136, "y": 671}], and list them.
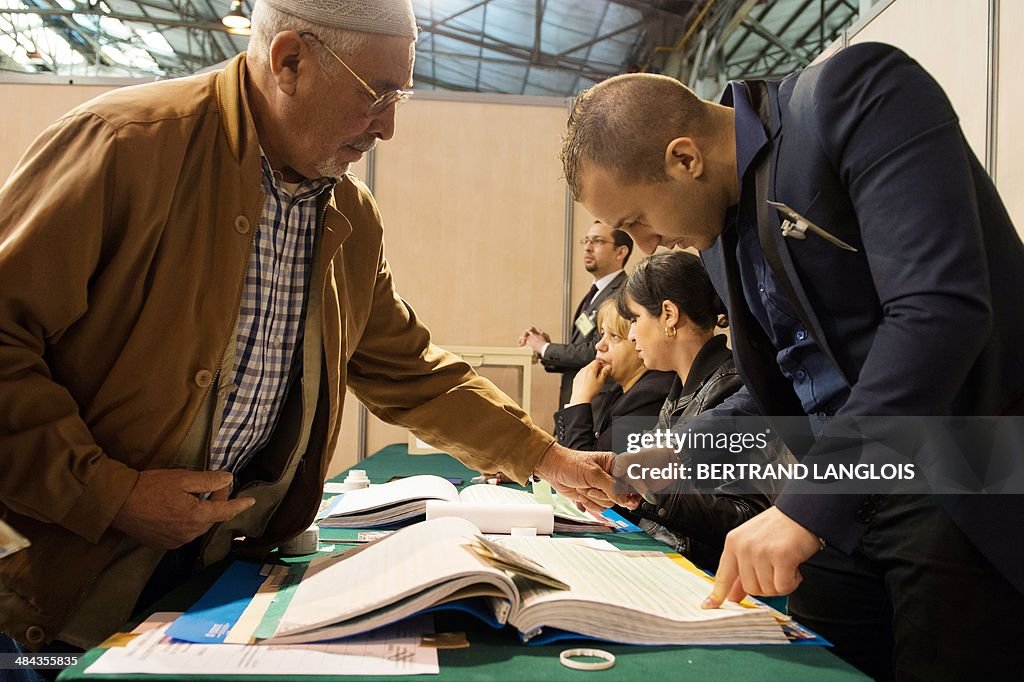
[
  {"x": 474, "y": 216},
  {"x": 29, "y": 107},
  {"x": 973, "y": 49},
  {"x": 1009, "y": 161}
]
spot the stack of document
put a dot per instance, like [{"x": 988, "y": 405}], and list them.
[
  {"x": 386, "y": 504},
  {"x": 150, "y": 650},
  {"x": 406, "y": 500},
  {"x": 532, "y": 584}
]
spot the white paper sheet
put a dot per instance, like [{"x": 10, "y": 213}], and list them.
[
  {"x": 496, "y": 518},
  {"x": 494, "y": 494},
  {"x": 394, "y": 650}
]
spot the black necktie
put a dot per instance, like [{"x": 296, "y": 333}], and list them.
[{"x": 588, "y": 298}]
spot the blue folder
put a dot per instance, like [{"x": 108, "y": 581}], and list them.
[{"x": 210, "y": 618}]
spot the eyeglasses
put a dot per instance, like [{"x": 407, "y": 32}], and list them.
[
  {"x": 381, "y": 101},
  {"x": 596, "y": 241}
]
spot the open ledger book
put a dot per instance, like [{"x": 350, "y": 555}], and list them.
[
  {"x": 529, "y": 583},
  {"x": 406, "y": 499}
]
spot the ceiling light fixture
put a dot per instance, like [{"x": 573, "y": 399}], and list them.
[{"x": 234, "y": 19}]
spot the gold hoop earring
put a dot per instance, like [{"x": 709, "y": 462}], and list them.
[{"x": 670, "y": 332}]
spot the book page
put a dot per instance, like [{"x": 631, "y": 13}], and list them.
[
  {"x": 496, "y": 494},
  {"x": 645, "y": 581},
  {"x": 496, "y": 518},
  {"x": 624, "y": 595},
  {"x": 400, "y": 575},
  {"x": 423, "y": 487}
]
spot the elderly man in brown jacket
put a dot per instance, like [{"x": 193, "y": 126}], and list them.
[{"x": 189, "y": 280}]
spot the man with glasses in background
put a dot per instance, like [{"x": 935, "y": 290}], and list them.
[
  {"x": 605, "y": 253},
  {"x": 189, "y": 281}
]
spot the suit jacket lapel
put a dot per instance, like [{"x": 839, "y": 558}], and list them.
[
  {"x": 595, "y": 303},
  {"x": 606, "y": 293}
]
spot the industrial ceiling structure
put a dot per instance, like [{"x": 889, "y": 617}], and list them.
[{"x": 526, "y": 47}]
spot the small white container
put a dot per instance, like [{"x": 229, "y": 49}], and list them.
[{"x": 355, "y": 480}]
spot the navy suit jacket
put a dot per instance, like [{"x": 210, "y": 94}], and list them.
[{"x": 927, "y": 317}]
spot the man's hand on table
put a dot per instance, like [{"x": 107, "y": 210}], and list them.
[
  {"x": 762, "y": 557},
  {"x": 583, "y": 477},
  {"x": 163, "y": 510}
]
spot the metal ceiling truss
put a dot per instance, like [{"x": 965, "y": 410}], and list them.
[
  {"x": 193, "y": 30},
  {"x": 698, "y": 41},
  {"x": 753, "y": 39},
  {"x": 791, "y": 46}
]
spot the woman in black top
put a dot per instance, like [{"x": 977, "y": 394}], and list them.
[
  {"x": 637, "y": 392},
  {"x": 674, "y": 312}
]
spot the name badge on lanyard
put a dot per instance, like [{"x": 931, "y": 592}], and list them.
[{"x": 584, "y": 324}]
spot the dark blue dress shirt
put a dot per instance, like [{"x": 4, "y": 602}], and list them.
[{"x": 819, "y": 385}]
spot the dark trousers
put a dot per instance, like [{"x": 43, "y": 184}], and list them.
[
  {"x": 173, "y": 571},
  {"x": 916, "y": 601}
]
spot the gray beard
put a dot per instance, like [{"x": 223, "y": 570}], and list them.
[{"x": 332, "y": 169}]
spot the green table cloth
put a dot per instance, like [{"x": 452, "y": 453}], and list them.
[{"x": 499, "y": 656}]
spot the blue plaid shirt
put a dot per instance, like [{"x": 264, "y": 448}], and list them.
[{"x": 270, "y": 317}]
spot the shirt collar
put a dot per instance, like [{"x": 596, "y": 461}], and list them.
[
  {"x": 751, "y": 137},
  {"x": 307, "y": 188},
  {"x": 606, "y": 280}
]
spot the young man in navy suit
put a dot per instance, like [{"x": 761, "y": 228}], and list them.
[{"x": 902, "y": 300}]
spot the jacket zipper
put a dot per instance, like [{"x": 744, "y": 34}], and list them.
[{"x": 209, "y": 535}]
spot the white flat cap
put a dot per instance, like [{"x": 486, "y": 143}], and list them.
[{"x": 390, "y": 17}]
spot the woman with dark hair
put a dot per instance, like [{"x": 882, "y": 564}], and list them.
[
  {"x": 638, "y": 392},
  {"x": 673, "y": 312}
]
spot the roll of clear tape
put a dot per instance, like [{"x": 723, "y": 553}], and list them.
[
  {"x": 306, "y": 542},
  {"x": 569, "y": 656}
]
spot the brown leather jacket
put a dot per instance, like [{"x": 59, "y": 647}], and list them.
[{"x": 124, "y": 236}]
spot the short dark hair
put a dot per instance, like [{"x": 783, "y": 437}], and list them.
[
  {"x": 622, "y": 239},
  {"x": 624, "y": 124},
  {"x": 679, "y": 277}
]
